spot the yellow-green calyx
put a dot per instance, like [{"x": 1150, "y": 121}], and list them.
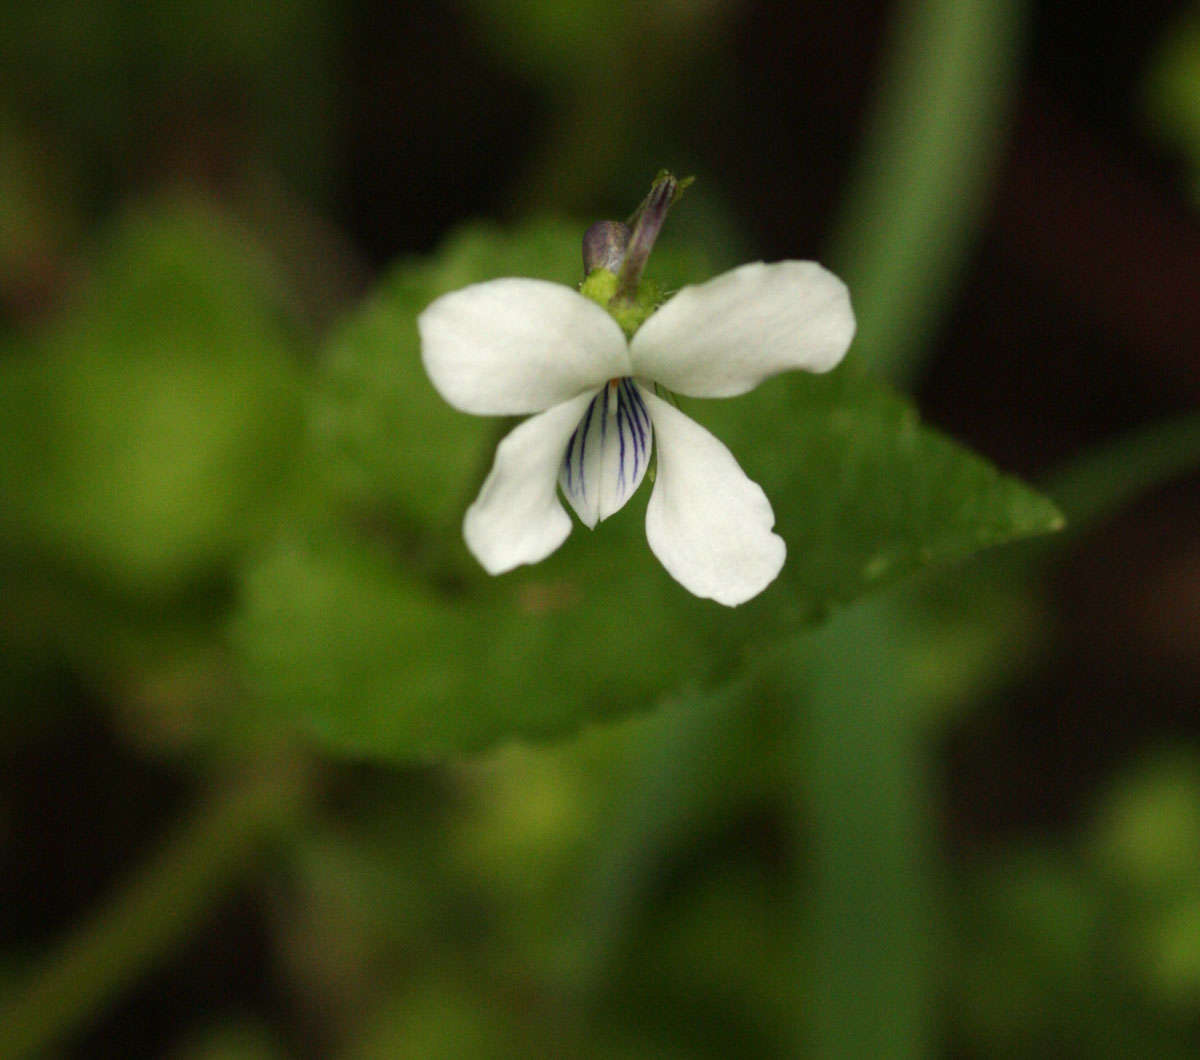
[{"x": 601, "y": 286}]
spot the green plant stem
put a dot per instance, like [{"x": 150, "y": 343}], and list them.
[
  {"x": 159, "y": 905},
  {"x": 914, "y": 207},
  {"x": 925, "y": 171},
  {"x": 1094, "y": 486},
  {"x": 867, "y": 935}
]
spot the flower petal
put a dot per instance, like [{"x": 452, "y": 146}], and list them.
[
  {"x": 726, "y": 336},
  {"x": 517, "y": 517},
  {"x": 708, "y": 524},
  {"x": 607, "y": 455},
  {"x": 508, "y": 347}
]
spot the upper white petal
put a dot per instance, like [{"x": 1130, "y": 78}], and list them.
[
  {"x": 607, "y": 455},
  {"x": 517, "y": 517},
  {"x": 708, "y": 524},
  {"x": 508, "y": 347},
  {"x": 726, "y": 336}
]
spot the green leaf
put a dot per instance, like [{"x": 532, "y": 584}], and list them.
[
  {"x": 142, "y": 437},
  {"x": 393, "y": 643},
  {"x": 863, "y": 492}
]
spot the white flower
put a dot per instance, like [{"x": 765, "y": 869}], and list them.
[{"x": 517, "y": 346}]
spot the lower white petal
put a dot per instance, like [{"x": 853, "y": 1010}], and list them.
[
  {"x": 517, "y": 517},
  {"x": 607, "y": 455},
  {"x": 707, "y": 523}
]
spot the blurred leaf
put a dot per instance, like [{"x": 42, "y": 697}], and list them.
[
  {"x": 1029, "y": 971},
  {"x": 440, "y": 1017},
  {"x": 527, "y": 813},
  {"x": 340, "y": 640},
  {"x": 710, "y": 972},
  {"x": 1171, "y": 955},
  {"x": 551, "y": 38},
  {"x": 166, "y": 67},
  {"x": 1144, "y": 842},
  {"x": 1172, "y": 91},
  {"x": 569, "y": 43},
  {"x": 234, "y": 1038},
  {"x": 1146, "y": 834},
  {"x": 142, "y": 438},
  {"x": 1062, "y": 957},
  {"x": 402, "y": 647}
]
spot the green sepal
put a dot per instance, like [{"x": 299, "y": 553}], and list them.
[{"x": 601, "y": 287}]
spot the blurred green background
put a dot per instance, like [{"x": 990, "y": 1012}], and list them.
[{"x": 284, "y": 774}]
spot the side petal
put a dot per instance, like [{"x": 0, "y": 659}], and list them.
[
  {"x": 707, "y": 523},
  {"x": 517, "y": 517},
  {"x": 724, "y": 337},
  {"x": 508, "y": 347},
  {"x": 608, "y": 453}
]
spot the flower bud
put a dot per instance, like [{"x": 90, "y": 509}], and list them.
[
  {"x": 647, "y": 222},
  {"x": 604, "y": 246}
]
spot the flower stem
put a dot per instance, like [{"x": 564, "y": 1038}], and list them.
[{"x": 157, "y": 907}]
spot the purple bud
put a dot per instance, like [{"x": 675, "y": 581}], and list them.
[
  {"x": 647, "y": 223},
  {"x": 604, "y": 246}
]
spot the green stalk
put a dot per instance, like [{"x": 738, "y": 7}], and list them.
[
  {"x": 867, "y": 935},
  {"x": 922, "y": 182},
  {"x": 925, "y": 171},
  {"x": 161, "y": 904}
]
